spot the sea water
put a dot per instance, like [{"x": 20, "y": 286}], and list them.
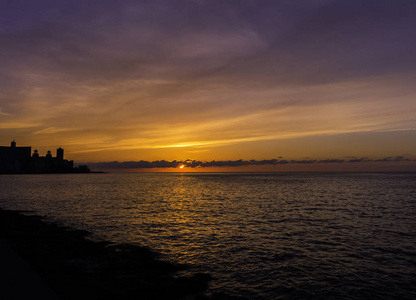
[{"x": 263, "y": 236}]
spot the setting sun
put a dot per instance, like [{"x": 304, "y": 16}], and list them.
[{"x": 208, "y": 149}]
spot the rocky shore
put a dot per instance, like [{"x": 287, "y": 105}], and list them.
[{"x": 77, "y": 268}]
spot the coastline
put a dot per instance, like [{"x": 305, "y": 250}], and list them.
[{"x": 75, "y": 267}]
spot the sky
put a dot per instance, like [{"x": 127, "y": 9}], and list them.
[{"x": 210, "y": 80}]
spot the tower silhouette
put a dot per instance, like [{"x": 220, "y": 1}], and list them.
[{"x": 60, "y": 154}]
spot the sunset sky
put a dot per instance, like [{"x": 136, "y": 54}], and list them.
[{"x": 212, "y": 80}]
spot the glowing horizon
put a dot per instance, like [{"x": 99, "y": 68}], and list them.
[{"x": 209, "y": 80}]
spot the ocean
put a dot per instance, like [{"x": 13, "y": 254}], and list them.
[{"x": 263, "y": 236}]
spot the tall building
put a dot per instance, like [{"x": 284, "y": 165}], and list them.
[
  {"x": 14, "y": 159},
  {"x": 60, "y": 154}
]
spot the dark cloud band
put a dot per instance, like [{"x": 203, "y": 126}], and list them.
[{"x": 231, "y": 163}]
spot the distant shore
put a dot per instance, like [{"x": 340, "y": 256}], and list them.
[
  {"x": 46, "y": 173},
  {"x": 78, "y": 268}
]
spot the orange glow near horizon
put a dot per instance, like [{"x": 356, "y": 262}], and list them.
[{"x": 190, "y": 82}]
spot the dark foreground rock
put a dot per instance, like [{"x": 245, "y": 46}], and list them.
[{"x": 78, "y": 268}]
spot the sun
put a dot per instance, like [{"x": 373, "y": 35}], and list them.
[{"x": 181, "y": 166}]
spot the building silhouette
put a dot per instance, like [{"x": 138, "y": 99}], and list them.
[{"x": 19, "y": 160}]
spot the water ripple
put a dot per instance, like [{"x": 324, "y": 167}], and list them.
[{"x": 264, "y": 236}]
